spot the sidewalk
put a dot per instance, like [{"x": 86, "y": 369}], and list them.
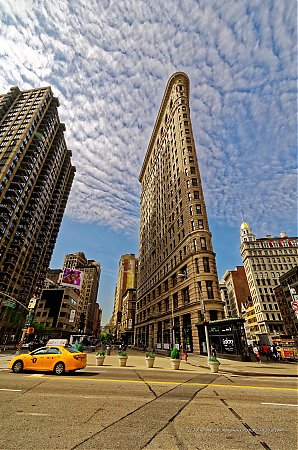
[{"x": 197, "y": 363}]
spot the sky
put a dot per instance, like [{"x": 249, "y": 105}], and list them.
[{"x": 108, "y": 62}]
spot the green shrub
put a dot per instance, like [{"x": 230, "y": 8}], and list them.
[
  {"x": 175, "y": 354},
  {"x": 79, "y": 348},
  {"x": 150, "y": 355},
  {"x": 122, "y": 353},
  {"x": 213, "y": 359},
  {"x": 101, "y": 353}
]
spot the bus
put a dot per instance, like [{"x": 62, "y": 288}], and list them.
[{"x": 286, "y": 348}]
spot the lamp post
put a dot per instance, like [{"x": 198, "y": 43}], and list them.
[
  {"x": 173, "y": 323},
  {"x": 205, "y": 323},
  {"x": 182, "y": 276},
  {"x": 28, "y": 322}
]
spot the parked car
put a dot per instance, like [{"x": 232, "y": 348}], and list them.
[{"x": 57, "y": 359}]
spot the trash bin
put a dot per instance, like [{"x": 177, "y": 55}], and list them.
[{"x": 108, "y": 351}]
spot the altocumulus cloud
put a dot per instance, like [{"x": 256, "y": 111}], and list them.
[{"x": 109, "y": 62}]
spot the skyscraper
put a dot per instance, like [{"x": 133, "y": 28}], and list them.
[
  {"x": 127, "y": 279},
  {"x": 177, "y": 284},
  {"x": 35, "y": 180},
  {"x": 265, "y": 261},
  {"x": 89, "y": 289}
]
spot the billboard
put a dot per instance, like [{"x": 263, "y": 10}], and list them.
[{"x": 72, "y": 278}]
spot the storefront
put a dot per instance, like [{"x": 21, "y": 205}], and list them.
[{"x": 227, "y": 336}]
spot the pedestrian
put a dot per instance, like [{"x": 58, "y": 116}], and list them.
[
  {"x": 213, "y": 350},
  {"x": 274, "y": 352},
  {"x": 257, "y": 353},
  {"x": 265, "y": 352}
]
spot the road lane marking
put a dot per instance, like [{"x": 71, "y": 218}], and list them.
[
  {"x": 12, "y": 390},
  {"x": 280, "y": 404},
  {"x": 170, "y": 383},
  {"x": 32, "y": 414}
]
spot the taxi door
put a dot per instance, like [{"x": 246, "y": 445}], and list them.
[
  {"x": 36, "y": 360},
  {"x": 52, "y": 356}
]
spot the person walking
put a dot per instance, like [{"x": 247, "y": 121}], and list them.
[
  {"x": 265, "y": 351},
  {"x": 274, "y": 352},
  {"x": 257, "y": 353}
]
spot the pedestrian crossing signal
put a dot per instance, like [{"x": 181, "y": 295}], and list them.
[{"x": 30, "y": 330}]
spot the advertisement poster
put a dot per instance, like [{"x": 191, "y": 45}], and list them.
[{"x": 72, "y": 278}]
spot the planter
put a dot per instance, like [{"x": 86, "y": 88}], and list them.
[
  {"x": 150, "y": 362},
  {"x": 122, "y": 361},
  {"x": 100, "y": 360},
  {"x": 175, "y": 363},
  {"x": 214, "y": 366}
]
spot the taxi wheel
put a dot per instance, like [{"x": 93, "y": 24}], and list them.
[
  {"x": 17, "y": 366},
  {"x": 59, "y": 368}
]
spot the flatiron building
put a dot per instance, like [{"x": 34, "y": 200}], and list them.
[{"x": 177, "y": 282}]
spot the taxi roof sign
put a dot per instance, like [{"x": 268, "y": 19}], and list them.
[{"x": 62, "y": 342}]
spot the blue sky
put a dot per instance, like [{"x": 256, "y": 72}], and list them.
[{"x": 109, "y": 63}]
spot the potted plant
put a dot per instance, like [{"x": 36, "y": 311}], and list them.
[
  {"x": 175, "y": 358},
  {"x": 122, "y": 358},
  {"x": 214, "y": 364},
  {"x": 150, "y": 358},
  {"x": 100, "y": 357}
]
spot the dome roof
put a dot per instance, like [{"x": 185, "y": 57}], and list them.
[{"x": 244, "y": 226}]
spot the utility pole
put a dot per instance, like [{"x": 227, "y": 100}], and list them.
[{"x": 28, "y": 322}]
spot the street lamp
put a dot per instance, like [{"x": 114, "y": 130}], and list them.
[
  {"x": 205, "y": 323},
  {"x": 28, "y": 322},
  {"x": 183, "y": 277}
]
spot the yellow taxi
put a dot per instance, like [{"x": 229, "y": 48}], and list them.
[{"x": 54, "y": 358}]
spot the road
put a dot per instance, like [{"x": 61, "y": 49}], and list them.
[{"x": 111, "y": 408}]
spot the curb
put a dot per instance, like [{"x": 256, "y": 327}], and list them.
[{"x": 253, "y": 374}]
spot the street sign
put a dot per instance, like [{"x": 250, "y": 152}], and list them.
[
  {"x": 32, "y": 303},
  {"x": 29, "y": 320},
  {"x": 10, "y": 303}
]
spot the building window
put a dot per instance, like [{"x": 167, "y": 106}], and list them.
[
  {"x": 198, "y": 209},
  {"x": 166, "y": 285},
  {"x": 185, "y": 296},
  {"x": 206, "y": 264},
  {"x": 192, "y": 169},
  {"x": 195, "y": 245},
  {"x": 209, "y": 290},
  {"x": 197, "y": 265},
  {"x": 200, "y": 224},
  {"x": 196, "y": 195},
  {"x": 175, "y": 300},
  {"x": 167, "y": 304},
  {"x": 194, "y": 181},
  {"x": 203, "y": 243}
]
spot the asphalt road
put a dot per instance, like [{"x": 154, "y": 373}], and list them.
[{"x": 111, "y": 408}]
